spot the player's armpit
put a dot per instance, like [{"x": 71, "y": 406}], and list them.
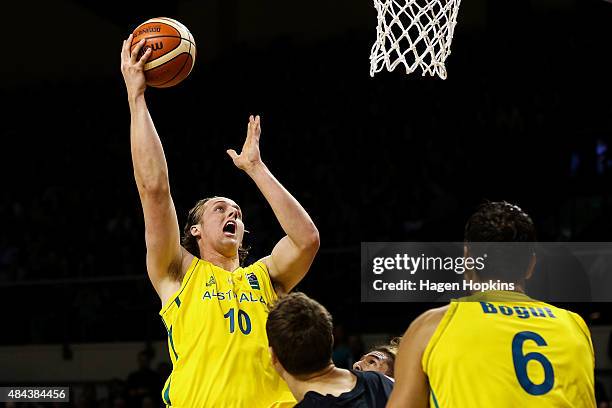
[
  {"x": 289, "y": 263},
  {"x": 411, "y": 389}
]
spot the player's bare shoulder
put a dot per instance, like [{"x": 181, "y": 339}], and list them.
[{"x": 423, "y": 327}]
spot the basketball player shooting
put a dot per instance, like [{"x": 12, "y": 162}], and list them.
[{"x": 214, "y": 310}]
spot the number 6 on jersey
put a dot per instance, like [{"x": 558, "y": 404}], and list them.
[{"x": 521, "y": 360}]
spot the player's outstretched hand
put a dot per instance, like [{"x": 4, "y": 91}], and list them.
[
  {"x": 249, "y": 157},
  {"x": 132, "y": 68}
]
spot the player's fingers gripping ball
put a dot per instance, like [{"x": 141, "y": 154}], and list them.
[{"x": 173, "y": 51}]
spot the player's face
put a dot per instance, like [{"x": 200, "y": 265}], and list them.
[
  {"x": 222, "y": 225},
  {"x": 373, "y": 361}
]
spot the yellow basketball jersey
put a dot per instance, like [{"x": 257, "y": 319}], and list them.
[
  {"x": 216, "y": 325},
  {"x": 503, "y": 349}
]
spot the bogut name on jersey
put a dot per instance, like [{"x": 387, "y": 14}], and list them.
[
  {"x": 520, "y": 311},
  {"x": 230, "y": 294}
]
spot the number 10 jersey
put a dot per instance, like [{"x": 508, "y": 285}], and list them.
[{"x": 216, "y": 325}]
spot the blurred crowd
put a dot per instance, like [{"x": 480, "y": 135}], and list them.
[{"x": 141, "y": 389}]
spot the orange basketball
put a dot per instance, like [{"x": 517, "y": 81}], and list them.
[{"x": 173, "y": 51}]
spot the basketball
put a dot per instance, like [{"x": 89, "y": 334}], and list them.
[{"x": 173, "y": 51}]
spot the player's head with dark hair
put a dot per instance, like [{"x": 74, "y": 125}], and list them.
[
  {"x": 300, "y": 335},
  {"x": 380, "y": 358},
  {"x": 499, "y": 221},
  {"x": 506, "y": 234},
  {"x": 214, "y": 224}
]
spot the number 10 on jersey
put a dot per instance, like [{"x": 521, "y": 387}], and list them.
[{"x": 244, "y": 321}]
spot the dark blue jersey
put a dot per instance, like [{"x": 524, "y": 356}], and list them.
[{"x": 372, "y": 390}]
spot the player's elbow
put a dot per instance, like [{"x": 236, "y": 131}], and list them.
[
  {"x": 152, "y": 181},
  {"x": 152, "y": 188},
  {"x": 312, "y": 242},
  {"x": 308, "y": 242}
]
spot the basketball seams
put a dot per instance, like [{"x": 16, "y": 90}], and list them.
[
  {"x": 192, "y": 59},
  {"x": 178, "y": 71},
  {"x": 168, "y": 62},
  {"x": 180, "y": 28},
  {"x": 193, "y": 55},
  {"x": 164, "y": 36},
  {"x": 182, "y": 74},
  {"x": 182, "y": 67},
  {"x": 178, "y": 50}
]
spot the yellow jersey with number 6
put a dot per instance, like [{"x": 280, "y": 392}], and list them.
[
  {"x": 216, "y": 325},
  {"x": 505, "y": 350}
]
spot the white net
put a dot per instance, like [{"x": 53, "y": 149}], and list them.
[{"x": 415, "y": 33}]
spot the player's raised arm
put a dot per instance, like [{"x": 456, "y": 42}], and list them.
[
  {"x": 165, "y": 256},
  {"x": 292, "y": 256}
]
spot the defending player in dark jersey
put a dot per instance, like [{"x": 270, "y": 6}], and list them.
[
  {"x": 380, "y": 358},
  {"x": 300, "y": 335}
]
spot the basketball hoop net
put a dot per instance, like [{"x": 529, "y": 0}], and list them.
[{"x": 415, "y": 33}]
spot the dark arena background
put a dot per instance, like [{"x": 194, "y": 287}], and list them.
[{"x": 525, "y": 116}]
